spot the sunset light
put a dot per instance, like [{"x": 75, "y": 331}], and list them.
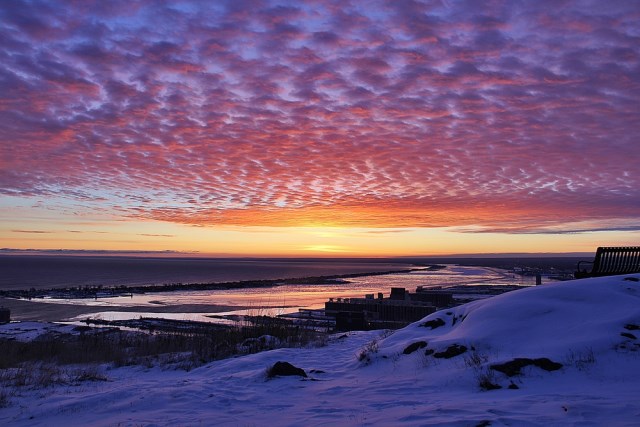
[
  {"x": 278, "y": 128},
  {"x": 313, "y": 213}
]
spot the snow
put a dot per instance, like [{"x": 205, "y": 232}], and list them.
[
  {"x": 27, "y": 331},
  {"x": 364, "y": 378}
]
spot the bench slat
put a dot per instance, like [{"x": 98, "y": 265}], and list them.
[{"x": 611, "y": 261}]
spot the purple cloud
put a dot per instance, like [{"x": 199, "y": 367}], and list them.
[{"x": 511, "y": 116}]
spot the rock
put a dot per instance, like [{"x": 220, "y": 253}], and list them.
[
  {"x": 451, "y": 351},
  {"x": 282, "y": 369},
  {"x": 488, "y": 385},
  {"x": 414, "y": 346},
  {"x": 514, "y": 366},
  {"x": 433, "y": 324}
]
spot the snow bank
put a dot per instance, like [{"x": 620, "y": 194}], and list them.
[{"x": 539, "y": 321}]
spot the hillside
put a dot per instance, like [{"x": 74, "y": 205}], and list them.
[{"x": 560, "y": 354}]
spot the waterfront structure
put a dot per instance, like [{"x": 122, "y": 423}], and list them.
[{"x": 400, "y": 309}]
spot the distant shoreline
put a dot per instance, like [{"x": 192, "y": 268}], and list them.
[{"x": 78, "y": 292}]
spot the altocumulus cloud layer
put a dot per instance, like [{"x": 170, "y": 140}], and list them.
[{"x": 518, "y": 116}]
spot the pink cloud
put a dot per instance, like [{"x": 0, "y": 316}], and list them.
[{"x": 278, "y": 113}]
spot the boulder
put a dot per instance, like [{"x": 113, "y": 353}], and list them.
[
  {"x": 414, "y": 347},
  {"x": 282, "y": 369}
]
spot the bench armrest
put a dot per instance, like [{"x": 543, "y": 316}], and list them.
[{"x": 583, "y": 262}]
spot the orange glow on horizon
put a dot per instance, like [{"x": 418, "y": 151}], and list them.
[{"x": 187, "y": 240}]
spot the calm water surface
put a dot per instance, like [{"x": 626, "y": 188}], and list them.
[
  {"x": 42, "y": 272},
  {"x": 290, "y": 298}
]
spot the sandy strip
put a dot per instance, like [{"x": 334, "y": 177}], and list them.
[{"x": 50, "y": 312}]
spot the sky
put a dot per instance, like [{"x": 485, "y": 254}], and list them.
[{"x": 311, "y": 128}]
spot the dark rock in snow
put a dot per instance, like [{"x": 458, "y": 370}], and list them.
[
  {"x": 435, "y": 323},
  {"x": 514, "y": 366},
  {"x": 488, "y": 385},
  {"x": 414, "y": 346},
  {"x": 285, "y": 369},
  {"x": 451, "y": 351}
]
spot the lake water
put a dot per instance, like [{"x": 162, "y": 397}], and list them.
[
  {"x": 22, "y": 272},
  {"x": 289, "y": 298},
  {"x": 42, "y": 272}
]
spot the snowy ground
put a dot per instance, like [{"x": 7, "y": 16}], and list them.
[{"x": 589, "y": 326}]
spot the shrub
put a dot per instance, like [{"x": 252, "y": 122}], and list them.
[
  {"x": 88, "y": 373},
  {"x": 475, "y": 360},
  {"x": 4, "y": 398},
  {"x": 581, "y": 359},
  {"x": 487, "y": 380},
  {"x": 369, "y": 349}
]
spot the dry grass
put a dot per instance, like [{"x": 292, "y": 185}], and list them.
[
  {"x": 71, "y": 359},
  {"x": 197, "y": 345}
]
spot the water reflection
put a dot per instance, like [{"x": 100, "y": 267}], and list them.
[{"x": 286, "y": 298}]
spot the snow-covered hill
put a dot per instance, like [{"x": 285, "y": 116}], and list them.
[{"x": 558, "y": 354}]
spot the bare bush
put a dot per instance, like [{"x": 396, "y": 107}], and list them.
[
  {"x": 88, "y": 373},
  {"x": 366, "y": 353},
  {"x": 486, "y": 379},
  {"x": 34, "y": 375},
  {"x": 582, "y": 360},
  {"x": 475, "y": 360},
  {"x": 47, "y": 375},
  {"x": 5, "y": 401}
]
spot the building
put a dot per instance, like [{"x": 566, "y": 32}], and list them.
[{"x": 400, "y": 309}]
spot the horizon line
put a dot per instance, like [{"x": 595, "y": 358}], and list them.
[{"x": 196, "y": 254}]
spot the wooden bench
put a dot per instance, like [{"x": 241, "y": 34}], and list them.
[{"x": 611, "y": 261}]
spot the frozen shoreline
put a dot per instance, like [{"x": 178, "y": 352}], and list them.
[{"x": 22, "y": 310}]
